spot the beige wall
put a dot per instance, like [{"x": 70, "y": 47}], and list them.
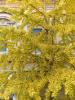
[
  {"x": 4, "y": 4},
  {"x": 2, "y": 1}
]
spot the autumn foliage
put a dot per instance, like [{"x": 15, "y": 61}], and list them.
[{"x": 40, "y": 63}]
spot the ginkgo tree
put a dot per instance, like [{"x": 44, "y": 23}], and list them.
[{"x": 40, "y": 62}]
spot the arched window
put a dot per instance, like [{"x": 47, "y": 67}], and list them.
[{"x": 5, "y": 19}]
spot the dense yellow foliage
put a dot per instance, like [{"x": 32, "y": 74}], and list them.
[{"x": 48, "y": 74}]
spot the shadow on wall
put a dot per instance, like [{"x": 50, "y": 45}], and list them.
[{"x": 12, "y": 97}]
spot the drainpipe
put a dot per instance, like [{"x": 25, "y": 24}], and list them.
[{"x": 44, "y": 6}]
